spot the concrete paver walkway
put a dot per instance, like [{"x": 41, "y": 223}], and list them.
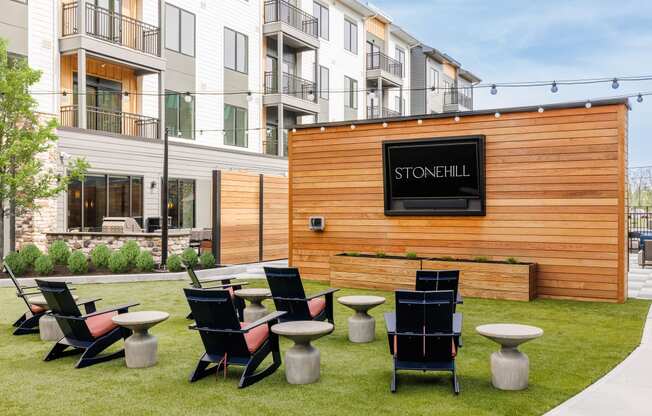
[{"x": 626, "y": 390}]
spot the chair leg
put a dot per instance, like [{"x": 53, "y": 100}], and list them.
[
  {"x": 27, "y": 325},
  {"x": 20, "y": 320},
  {"x": 392, "y": 385},
  {"x": 92, "y": 354},
  {"x": 59, "y": 350},
  {"x": 249, "y": 376},
  {"x": 456, "y": 384},
  {"x": 240, "y": 306},
  {"x": 202, "y": 369},
  {"x": 189, "y": 316},
  {"x": 329, "y": 308}
]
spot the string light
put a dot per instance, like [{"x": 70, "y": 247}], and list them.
[
  {"x": 554, "y": 87},
  {"x": 540, "y": 110},
  {"x": 639, "y": 98},
  {"x": 419, "y": 122},
  {"x": 497, "y": 115},
  {"x": 588, "y": 104},
  {"x": 494, "y": 90},
  {"x": 126, "y": 94},
  {"x": 457, "y": 118},
  {"x": 250, "y": 97},
  {"x": 615, "y": 84},
  {"x": 384, "y": 125},
  {"x": 352, "y": 126},
  {"x": 188, "y": 97},
  {"x": 322, "y": 129}
]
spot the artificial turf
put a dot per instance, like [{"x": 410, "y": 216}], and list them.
[{"x": 582, "y": 341}]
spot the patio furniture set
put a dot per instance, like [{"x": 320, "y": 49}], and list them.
[{"x": 424, "y": 333}]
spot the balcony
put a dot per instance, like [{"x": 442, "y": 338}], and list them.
[
  {"x": 270, "y": 146},
  {"x": 458, "y": 99},
  {"x": 297, "y": 93},
  {"x": 301, "y": 27},
  {"x": 381, "y": 112},
  {"x": 116, "y": 122},
  {"x": 381, "y": 66},
  {"x": 110, "y": 34}
]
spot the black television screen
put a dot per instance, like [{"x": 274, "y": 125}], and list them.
[{"x": 438, "y": 176}]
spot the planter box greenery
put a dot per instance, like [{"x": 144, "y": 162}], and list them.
[{"x": 479, "y": 278}]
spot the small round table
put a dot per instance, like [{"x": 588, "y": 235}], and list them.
[
  {"x": 141, "y": 347},
  {"x": 302, "y": 361},
  {"x": 48, "y": 327},
  {"x": 509, "y": 367},
  {"x": 362, "y": 326},
  {"x": 255, "y": 296}
]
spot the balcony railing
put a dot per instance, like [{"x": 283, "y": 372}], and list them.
[
  {"x": 118, "y": 122},
  {"x": 113, "y": 27},
  {"x": 459, "y": 96},
  {"x": 381, "y": 112},
  {"x": 292, "y": 85},
  {"x": 270, "y": 147},
  {"x": 378, "y": 60},
  {"x": 282, "y": 11}
]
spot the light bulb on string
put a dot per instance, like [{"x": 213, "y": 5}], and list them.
[
  {"x": 639, "y": 98},
  {"x": 588, "y": 104},
  {"x": 554, "y": 87},
  {"x": 250, "y": 97},
  {"x": 540, "y": 110},
  {"x": 494, "y": 90},
  {"x": 187, "y": 98},
  {"x": 615, "y": 84}
]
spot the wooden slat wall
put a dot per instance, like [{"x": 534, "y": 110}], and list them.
[
  {"x": 275, "y": 217},
  {"x": 239, "y": 209},
  {"x": 555, "y": 196}
]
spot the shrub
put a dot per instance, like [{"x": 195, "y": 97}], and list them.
[
  {"x": 77, "y": 263},
  {"x": 511, "y": 260},
  {"x": 145, "y": 262},
  {"x": 59, "y": 252},
  {"x": 43, "y": 265},
  {"x": 481, "y": 259},
  {"x": 100, "y": 256},
  {"x": 131, "y": 250},
  {"x": 190, "y": 257},
  {"x": 118, "y": 262},
  {"x": 411, "y": 255},
  {"x": 30, "y": 253},
  {"x": 207, "y": 260},
  {"x": 353, "y": 254},
  {"x": 175, "y": 263},
  {"x": 381, "y": 254},
  {"x": 16, "y": 263}
]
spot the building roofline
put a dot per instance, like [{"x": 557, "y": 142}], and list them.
[
  {"x": 469, "y": 76},
  {"x": 401, "y": 33},
  {"x": 505, "y": 110}
]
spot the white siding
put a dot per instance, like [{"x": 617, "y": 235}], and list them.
[
  {"x": 395, "y": 92},
  {"x": 42, "y": 52}
]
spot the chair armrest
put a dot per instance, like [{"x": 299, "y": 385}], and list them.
[
  {"x": 390, "y": 322},
  {"x": 28, "y": 287},
  {"x": 271, "y": 317},
  {"x": 227, "y": 280},
  {"x": 226, "y": 286},
  {"x": 322, "y": 293},
  {"x": 85, "y": 301},
  {"x": 28, "y": 294},
  {"x": 113, "y": 309},
  {"x": 457, "y": 323}
]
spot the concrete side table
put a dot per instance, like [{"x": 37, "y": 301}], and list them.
[
  {"x": 509, "y": 367},
  {"x": 302, "y": 361},
  {"x": 362, "y": 326},
  {"x": 49, "y": 329},
  {"x": 141, "y": 347},
  {"x": 255, "y": 310}
]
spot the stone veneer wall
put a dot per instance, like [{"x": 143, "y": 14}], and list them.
[{"x": 86, "y": 241}]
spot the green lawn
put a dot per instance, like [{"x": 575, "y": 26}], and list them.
[{"x": 582, "y": 341}]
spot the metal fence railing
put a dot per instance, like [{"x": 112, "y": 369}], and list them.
[
  {"x": 282, "y": 11},
  {"x": 378, "y": 60},
  {"x": 118, "y": 122}
]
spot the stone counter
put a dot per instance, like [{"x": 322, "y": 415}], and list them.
[{"x": 178, "y": 240}]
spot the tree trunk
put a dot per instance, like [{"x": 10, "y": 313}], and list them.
[
  {"x": 12, "y": 225},
  {"x": 2, "y": 229}
]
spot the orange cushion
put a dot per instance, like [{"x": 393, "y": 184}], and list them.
[
  {"x": 316, "y": 306},
  {"x": 255, "y": 337},
  {"x": 99, "y": 325},
  {"x": 36, "y": 309}
]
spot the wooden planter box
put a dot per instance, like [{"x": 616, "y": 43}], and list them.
[
  {"x": 491, "y": 280},
  {"x": 371, "y": 272}
]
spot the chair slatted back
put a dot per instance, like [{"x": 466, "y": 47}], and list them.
[
  {"x": 64, "y": 308},
  {"x": 424, "y": 325},
  {"x": 287, "y": 292},
  {"x": 193, "y": 277},
  {"x": 439, "y": 280},
  {"x": 19, "y": 290},
  {"x": 213, "y": 309}
]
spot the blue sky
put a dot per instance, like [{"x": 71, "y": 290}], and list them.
[{"x": 502, "y": 41}]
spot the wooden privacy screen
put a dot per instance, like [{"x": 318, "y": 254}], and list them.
[
  {"x": 248, "y": 233},
  {"x": 555, "y": 189}
]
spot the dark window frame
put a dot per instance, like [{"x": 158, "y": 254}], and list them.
[
  {"x": 234, "y": 129},
  {"x": 322, "y": 7},
  {"x": 351, "y": 25},
  {"x": 351, "y": 85},
  {"x": 324, "y": 93},
  {"x": 178, "y": 182},
  {"x": 194, "y": 43},
  {"x": 179, "y": 96},
  {"x": 235, "y": 50}
]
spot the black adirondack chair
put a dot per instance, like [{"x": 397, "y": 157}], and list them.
[
  {"x": 289, "y": 296},
  {"x": 421, "y": 333},
  {"x": 224, "y": 283},
  {"x": 228, "y": 341},
  {"x": 428, "y": 280},
  {"x": 28, "y": 322},
  {"x": 88, "y": 334}
]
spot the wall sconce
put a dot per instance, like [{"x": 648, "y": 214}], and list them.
[{"x": 152, "y": 185}]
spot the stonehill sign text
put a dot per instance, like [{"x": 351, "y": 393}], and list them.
[{"x": 439, "y": 176}]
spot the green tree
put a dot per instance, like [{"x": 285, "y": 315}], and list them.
[{"x": 23, "y": 137}]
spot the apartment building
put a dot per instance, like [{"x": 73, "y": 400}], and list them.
[{"x": 228, "y": 79}]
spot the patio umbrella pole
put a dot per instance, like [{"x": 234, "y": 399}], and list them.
[{"x": 164, "y": 204}]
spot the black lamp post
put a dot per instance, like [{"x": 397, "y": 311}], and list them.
[{"x": 164, "y": 203}]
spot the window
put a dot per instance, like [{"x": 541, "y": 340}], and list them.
[
  {"x": 434, "y": 80},
  {"x": 179, "y": 115},
  {"x": 321, "y": 13},
  {"x": 235, "y": 126},
  {"x": 181, "y": 203},
  {"x": 179, "y": 30},
  {"x": 350, "y": 36},
  {"x": 324, "y": 84},
  {"x": 235, "y": 51},
  {"x": 351, "y": 88},
  {"x": 397, "y": 104},
  {"x": 99, "y": 196},
  {"x": 400, "y": 56}
]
